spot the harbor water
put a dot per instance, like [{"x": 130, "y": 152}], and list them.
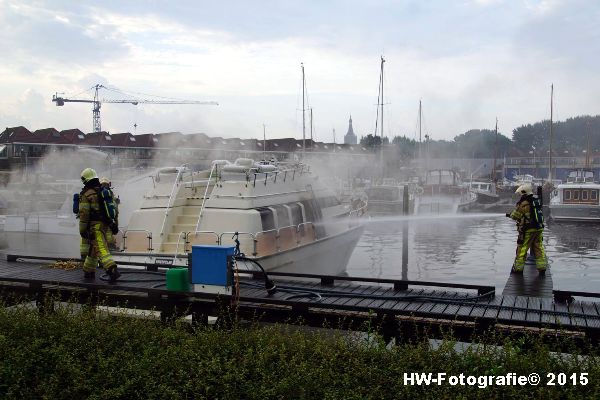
[
  {"x": 460, "y": 248},
  {"x": 473, "y": 249}
]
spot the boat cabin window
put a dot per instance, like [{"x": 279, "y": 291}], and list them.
[
  {"x": 584, "y": 194},
  {"x": 266, "y": 218},
  {"x": 575, "y": 194},
  {"x": 329, "y": 201},
  {"x": 309, "y": 211},
  {"x": 593, "y": 195},
  {"x": 296, "y": 213},
  {"x": 283, "y": 219},
  {"x": 567, "y": 195}
]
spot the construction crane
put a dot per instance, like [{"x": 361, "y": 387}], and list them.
[{"x": 60, "y": 101}]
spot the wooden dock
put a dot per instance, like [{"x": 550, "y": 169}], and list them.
[
  {"x": 399, "y": 309},
  {"x": 530, "y": 282}
]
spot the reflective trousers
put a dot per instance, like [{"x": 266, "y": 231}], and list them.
[
  {"x": 531, "y": 238},
  {"x": 97, "y": 248}
]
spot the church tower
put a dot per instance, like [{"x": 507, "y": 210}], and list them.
[{"x": 350, "y": 137}]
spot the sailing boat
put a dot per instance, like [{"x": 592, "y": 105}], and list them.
[
  {"x": 442, "y": 189},
  {"x": 386, "y": 197}
]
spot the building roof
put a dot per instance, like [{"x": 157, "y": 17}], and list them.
[{"x": 15, "y": 134}]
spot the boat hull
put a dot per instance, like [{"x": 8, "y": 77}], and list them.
[
  {"x": 389, "y": 207},
  {"x": 327, "y": 256},
  {"x": 580, "y": 212},
  {"x": 42, "y": 223}
]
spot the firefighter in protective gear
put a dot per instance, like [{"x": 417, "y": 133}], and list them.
[
  {"x": 92, "y": 226},
  {"x": 113, "y": 225},
  {"x": 530, "y": 230}
]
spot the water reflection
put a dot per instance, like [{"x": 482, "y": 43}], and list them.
[
  {"x": 475, "y": 249},
  {"x": 575, "y": 238}
]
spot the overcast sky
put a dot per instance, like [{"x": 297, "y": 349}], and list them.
[{"x": 469, "y": 61}]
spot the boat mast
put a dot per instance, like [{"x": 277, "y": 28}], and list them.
[
  {"x": 495, "y": 152},
  {"x": 381, "y": 130},
  {"x": 587, "y": 151},
  {"x": 311, "y": 128},
  {"x": 303, "y": 115},
  {"x": 264, "y": 142},
  {"x": 550, "y": 150},
  {"x": 420, "y": 113},
  {"x": 334, "y": 140}
]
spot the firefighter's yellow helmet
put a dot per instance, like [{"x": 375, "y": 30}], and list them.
[
  {"x": 87, "y": 175},
  {"x": 104, "y": 181},
  {"x": 524, "y": 189}
]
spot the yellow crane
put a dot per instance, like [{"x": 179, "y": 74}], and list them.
[{"x": 60, "y": 101}]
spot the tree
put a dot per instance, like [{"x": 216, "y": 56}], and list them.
[{"x": 373, "y": 141}]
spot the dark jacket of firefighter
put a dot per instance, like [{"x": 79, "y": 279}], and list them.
[{"x": 92, "y": 226}]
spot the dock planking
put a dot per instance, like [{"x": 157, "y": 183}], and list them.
[
  {"x": 356, "y": 296},
  {"x": 530, "y": 282}
]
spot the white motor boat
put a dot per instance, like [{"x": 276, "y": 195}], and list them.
[
  {"x": 577, "y": 199},
  {"x": 280, "y": 213}
]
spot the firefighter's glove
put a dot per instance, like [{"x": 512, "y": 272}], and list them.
[
  {"x": 84, "y": 235},
  {"x": 114, "y": 228},
  {"x": 507, "y": 214}
]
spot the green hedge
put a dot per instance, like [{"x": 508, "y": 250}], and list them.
[{"x": 75, "y": 355}]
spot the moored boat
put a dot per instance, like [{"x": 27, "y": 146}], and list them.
[
  {"x": 443, "y": 192},
  {"x": 280, "y": 213},
  {"x": 577, "y": 199},
  {"x": 388, "y": 198}
]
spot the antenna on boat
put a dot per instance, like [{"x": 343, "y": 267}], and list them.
[
  {"x": 587, "y": 151},
  {"x": 550, "y": 149},
  {"x": 311, "y": 128},
  {"x": 334, "y": 140},
  {"x": 303, "y": 113},
  {"x": 495, "y": 152},
  {"x": 264, "y": 142},
  {"x": 420, "y": 116}
]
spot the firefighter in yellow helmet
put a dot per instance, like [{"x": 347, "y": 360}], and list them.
[
  {"x": 113, "y": 226},
  {"x": 530, "y": 225},
  {"x": 92, "y": 226}
]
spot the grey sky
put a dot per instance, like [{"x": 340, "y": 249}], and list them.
[{"x": 469, "y": 61}]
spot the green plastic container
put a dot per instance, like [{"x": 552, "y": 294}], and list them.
[{"x": 178, "y": 280}]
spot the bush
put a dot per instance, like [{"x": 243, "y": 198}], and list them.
[{"x": 83, "y": 354}]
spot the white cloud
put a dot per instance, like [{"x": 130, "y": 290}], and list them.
[{"x": 469, "y": 64}]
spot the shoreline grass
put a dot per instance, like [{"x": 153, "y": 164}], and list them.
[{"x": 76, "y": 355}]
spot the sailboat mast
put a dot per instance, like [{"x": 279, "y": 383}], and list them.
[
  {"x": 587, "y": 151},
  {"x": 311, "y": 128},
  {"x": 420, "y": 155},
  {"x": 550, "y": 149},
  {"x": 334, "y": 140},
  {"x": 495, "y": 152},
  {"x": 264, "y": 142},
  {"x": 381, "y": 130},
  {"x": 303, "y": 115}
]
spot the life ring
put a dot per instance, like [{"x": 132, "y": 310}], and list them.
[{"x": 419, "y": 190}]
